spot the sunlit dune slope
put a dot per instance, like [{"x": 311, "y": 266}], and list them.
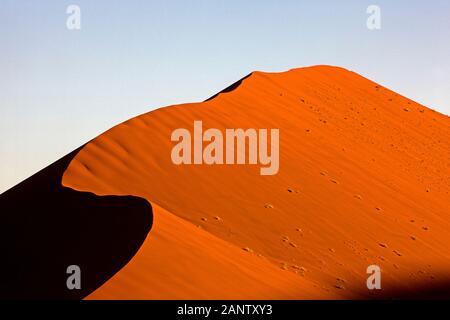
[
  {"x": 181, "y": 261},
  {"x": 364, "y": 179}
]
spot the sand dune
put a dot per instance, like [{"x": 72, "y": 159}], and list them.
[{"x": 364, "y": 179}]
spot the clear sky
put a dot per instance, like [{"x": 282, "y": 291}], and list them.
[{"x": 60, "y": 88}]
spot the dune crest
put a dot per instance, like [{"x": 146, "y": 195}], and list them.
[{"x": 363, "y": 179}]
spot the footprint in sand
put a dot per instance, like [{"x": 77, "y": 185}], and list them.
[
  {"x": 397, "y": 253},
  {"x": 339, "y": 286},
  {"x": 299, "y": 270},
  {"x": 292, "y": 244}
]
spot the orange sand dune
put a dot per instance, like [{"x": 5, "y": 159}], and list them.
[{"x": 364, "y": 179}]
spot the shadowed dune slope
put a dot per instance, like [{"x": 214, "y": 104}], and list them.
[
  {"x": 45, "y": 227},
  {"x": 364, "y": 179}
]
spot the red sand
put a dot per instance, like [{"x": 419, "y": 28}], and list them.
[{"x": 364, "y": 179}]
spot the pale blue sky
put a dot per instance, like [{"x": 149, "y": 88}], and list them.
[{"x": 60, "y": 88}]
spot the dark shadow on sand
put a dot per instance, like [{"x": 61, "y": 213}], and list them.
[
  {"x": 230, "y": 88},
  {"x": 45, "y": 227},
  {"x": 432, "y": 289}
]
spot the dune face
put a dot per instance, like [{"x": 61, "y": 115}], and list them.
[
  {"x": 45, "y": 228},
  {"x": 363, "y": 180}
]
